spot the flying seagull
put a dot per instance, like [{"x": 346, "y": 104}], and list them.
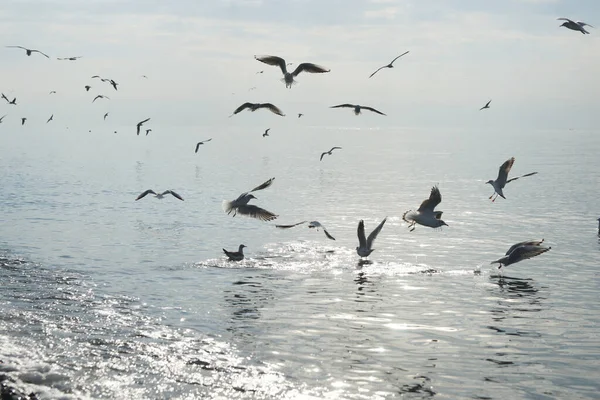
[
  {"x": 159, "y": 195},
  {"x": 300, "y": 115},
  {"x": 357, "y": 108},
  {"x": 288, "y": 77},
  {"x": 201, "y": 143},
  {"x": 113, "y": 83},
  {"x": 13, "y": 102},
  {"x": 365, "y": 245},
  {"x": 2, "y": 118},
  {"x": 255, "y": 106},
  {"x": 240, "y": 205},
  {"x": 328, "y": 152},
  {"x": 425, "y": 214},
  {"x": 105, "y": 115},
  {"x": 312, "y": 224},
  {"x": 23, "y": 121},
  {"x": 100, "y": 96},
  {"x": 148, "y": 131},
  {"x": 29, "y": 51},
  {"x": 235, "y": 255},
  {"x": 68, "y": 58},
  {"x": 139, "y": 125},
  {"x": 389, "y": 65},
  {"x": 501, "y": 181},
  {"x": 522, "y": 251},
  {"x": 575, "y": 26},
  {"x": 52, "y": 91},
  {"x": 87, "y": 88},
  {"x": 266, "y": 132},
  {"x": 51, "y": 118},
  {"x": 487, "y": 105}
]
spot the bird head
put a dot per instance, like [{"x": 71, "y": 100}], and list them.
[
  {"x": 564, "y": 24},
  {"x": 251, "y": 196},
  {"x": 242, "y": 246},
  {"x": 444, "y": 224},
  {"x": 490, "y": 181}
]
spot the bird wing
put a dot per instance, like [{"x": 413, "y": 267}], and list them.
[
  {"x": 563, "y": 19},
  {"x": 486, "y": 105},
  {"x": 141, "y": 196},
  {"x": 581, "y": 23},
  {"x": 207, "y": 140},
  {"x": 322, "y": 154},
  {"x": 4, "y": 97},
  {"x": 362, "y": 241},
  {"x": 173, "y": 193},
  {"x": 242, "y": 107},
  {"x": 525, "y": 243},
  {"x": 336, "y": 147},
  {"x": 309, "y": 67},
  {"x": 378, "y": 69},
  {"x": 503, "y": 171},
  {"x": 435, "y": 198},
  {"x": 197, "y": 146},
  {"x": 37, "y": 51},
  {"x": 372, "y": 109},
  {"x": 272, "y": 108},
  {"x": 525, "y": 252},
  {"x": 344, "y": 105},
  {"x": 406, "y": 52},
  {"x": 374, "y": 234},
  {"x": 263, "y": 185},
  {"x": 522, "y": 176},
  {"x": 328, "y": 235},
  {"x": 273, "y": 60},
  {"x": 97, "y": 97},
  {"x": 256, "y": 212},
  {"x": 18, "y": 47},
  {"x": 139, "y": 124},
  {"x": 289, "y": 226}
]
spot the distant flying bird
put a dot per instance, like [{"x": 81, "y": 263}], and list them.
[
  {"x": 389, "y": 65},
  {"x": 487, "y": 105},
  {"x": 252, "y": 88},
  {"x": 2, "y": 118},
  {"x": 87, "y": 88},
  {"x": 240, "y": 205},
  {"x": 139, "y": 125},
  {"x": 29, "y": 51},
  {"x": 144, "y": 76},
  {"x": 288, "y": 77},
  {"x": 159, "y": 195},
  {"x": 68, "y": 58},
  {"x": 100, "y": 96},
  {"x": 365, "y": 245},
  {"x": 105, "y": 115},
  {"x": 300, "y": 115},
  {"x": 266, "y": 132},
  {"x": 501, "y": 181},
  {"x": 255, "y": 106},
  {"x": 425, "y": 214},
  {"x": 575, "y": 26},
  {"x": 148, "y": 131},
  {"x": 201, "y": 143},
  {"x": 113, "y": 83},
  {"x": 235, "y": 255},
  {"x": 522, "y": 251},
  {"x": 328, "y": 152},
  {"x": 52, "y": 91},
  {"x": 312, "y": 224},
  {"x": 357, "y": 108},
  {"x": 260, "y": 72},
  {"x": 23, "y": 121},
  {"x": 51, "y": 118},
  {"x": 13, "y": 102}
]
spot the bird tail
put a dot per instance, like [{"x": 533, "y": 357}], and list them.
[
  {"x": 407, "y": 217},
  {"x": 228, "y": 206}
]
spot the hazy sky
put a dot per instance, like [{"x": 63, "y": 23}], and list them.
[{"x": 198, "y": 56}]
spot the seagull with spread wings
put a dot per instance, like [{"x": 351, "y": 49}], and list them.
[
  {"x": 159, "y": 195},
  {"x": 100, "y": 96},
  {"x": 201, "y": 143},
  {"x": 501, "y": 180},
  {"x": 365, "y": 245},
  {"x": 29, "y": 51},
  {"x": 389, "y": 65},
  {"x": 575, "y": 26},
  {"x": 522, "y": 251},
  {"x": 357, "y": 108},
  {"x": 139, "y": 125},
  {"x": 13, "y": 102},
  {"x": 51, "y": 118},
  {"x": 256, "y": 106},
  {"x": 426, "y": 214},
  {"x": 241, "y": 206},
  {"x": 312, "y": 224},
  {"x": 266, "y": 132},
  {"x": 328, "y": 152},
  {"x": 487, "y": 105},
  {"x": 288, "y": 77}
]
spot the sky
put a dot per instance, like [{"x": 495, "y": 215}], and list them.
[{"x": 199, "y": 60}]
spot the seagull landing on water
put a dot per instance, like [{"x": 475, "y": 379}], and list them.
[
  {"x": 312, "y": 224},
  {"x": 241, "y": 206},
  {"x": 328, "y": 152},
  {"x": 288, "y": 77},
  {"x": 575, "y": 26},
  {"x": 159, "y": 195},
  {"x": 255, "y": 106},
  {"x": 389, "y": 65},
  {"x": 201, "y": 143},
  {"x": 235, "y": 255},
  {"x": 365, "y": 245},
  {"x": 522, "y": 251},
  {"x": 29, "y": 51},
  {"x": 425, "y": 214},
  {"x": 357, "y": 108},
  {"x": 501, "y": 181},
  {"x": 487, "y": 105}
]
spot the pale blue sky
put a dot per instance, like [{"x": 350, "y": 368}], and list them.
[{"x": 197, "y": 53}]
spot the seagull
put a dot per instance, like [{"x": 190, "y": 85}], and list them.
[
  {"x": 300, "y": 115},
  {"x": 357, "y": 108},
  {"x": 13, "y": 102},
  {"x": 425, "y": 214},
  {"x": 260, "y": 72},
  {"x": 52, "y": 91},
  {"x": 87, "y": 88},
  {"x": 240, "y": 205},
  {"x": 266, "y": 132},
  {"x": 23, "y": 121},
  {"x": 29, "y": 51},
  {"x": 328, "y": 152},
  {"x": 522, "y": 251},
  {"x": 2, "y": 118},
  {"x": 575, "y": 26},
  {"x": 389, "y": 65},
  {"x": 148, "y": 131},
  {"x": 487, "y": 105},
  {"x": 235, "y": 255},
  {"x": 113, "y": 83},
  {"x": 100, "y": 96},
  {"x": 159, "y": 195},
  {"x": 144, "y": 76},
  {"x": 201, "y": 143},
  {"x": 311, "y": 224},
  {"x": 105, "y": 115},
  {"x": 500, "y": 181},
  {"x": 139, "y": 125},
  {"x": 365, "y": 244},
  {"x": 51, "y": 118},
  {"x": 68, "y": 58},
  {"x": 255, "y": 106},
  {"x": 288, "y": 77}
]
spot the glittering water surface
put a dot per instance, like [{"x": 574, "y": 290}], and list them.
[{"x": 105, "y": 297}]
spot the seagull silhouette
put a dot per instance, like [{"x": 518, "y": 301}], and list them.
[
  {"x": 365, "y": 245},
  {"x": 241, "y": 206},
  {"x": 201, "y": 143},
  {"x": 51, "y": 118},
  {"x": 425, "y": 214},
  {"x": 29, "y": 51},
  {"x": 501, "y": 180},
  {"x": 87, "y": 88},
  {"x": 105, "y": 115},
  {"x": 328, "y": 152},
  {"x": 235, "y": 255},
  {"x": 522, "y": 251},
  {"x": 2, "y": 118},
  {"x": 100, "y": 96},
  {"x": 148, "y": 131},
  {"x": 139, "y": 125},
  {"x": 23, "y": 121},
  {"x": 487, "y": 105},
  {"x": 357, "y": 108},
  {"x": 159, "y": 195},
  {"x": 255, "y": 106},
  {"x": 575, "y": 26},
  {"x": 68, "y": 58},
  {"x": 288, "y": 77},
  {"x": 266, "y": 132},
  {"x": 389, "y": 65},
  {"x": 13, "y": 102},
  {"x": 52, "y": 92},
  {"x": 300, "y": 115}
]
